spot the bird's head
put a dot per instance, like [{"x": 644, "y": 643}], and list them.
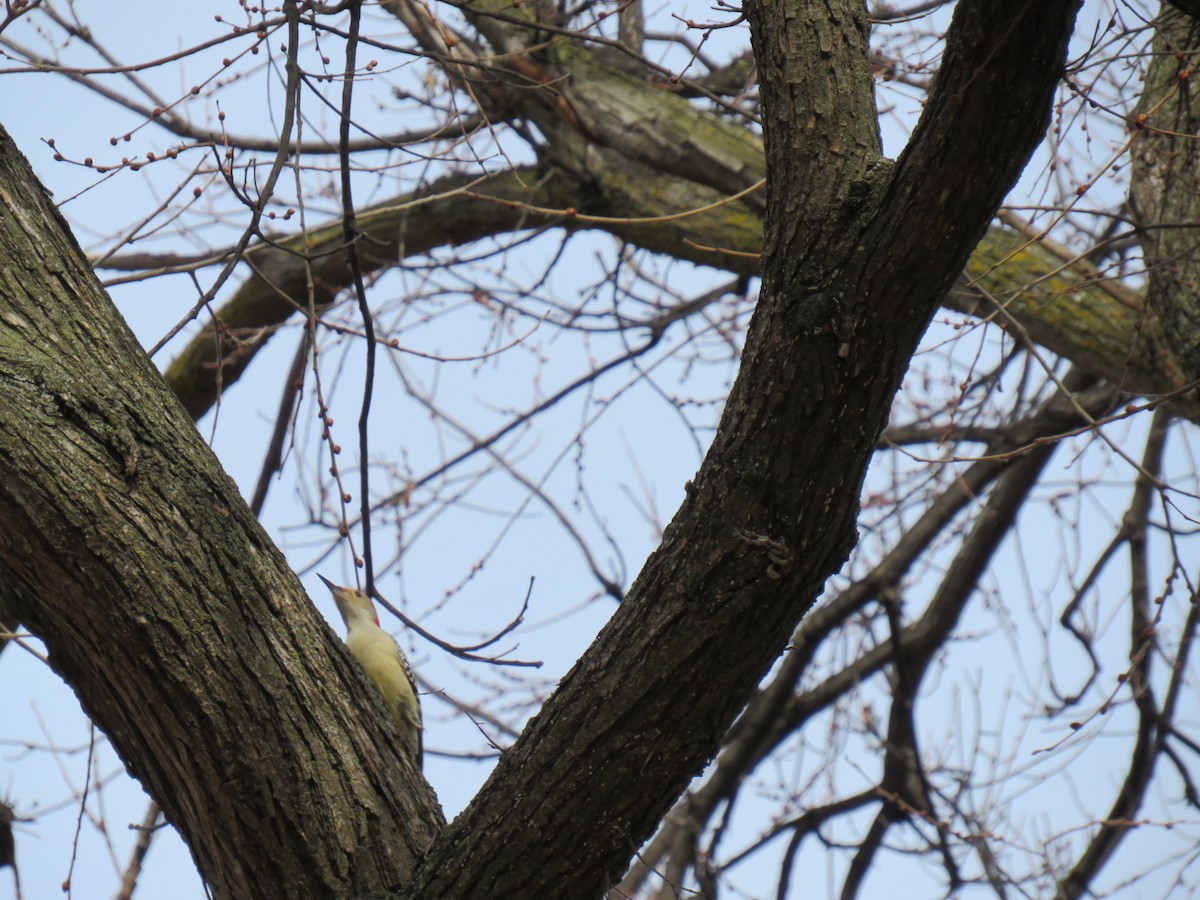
[{"x": 352, "y": 603}]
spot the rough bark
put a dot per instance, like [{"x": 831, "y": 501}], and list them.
[
  {"x": 192, "y": 645},
  {"x": 854, "y": 268},
  {"x": 1165, "y": 191},
  {"x": 164, "y": 604}
]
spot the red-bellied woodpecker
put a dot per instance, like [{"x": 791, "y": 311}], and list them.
[{"x": 383, "y": 661}]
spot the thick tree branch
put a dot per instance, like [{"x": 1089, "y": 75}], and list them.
[
  {"x": 1165, "y": 192},
  {"x": 770, "y": 514},
  {"x": 777, "y": 710},
  {"x": 452, "y": 211},
  {"x": 160, "y": 599}
]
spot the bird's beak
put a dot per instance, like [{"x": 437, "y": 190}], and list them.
[{"x": 329, "y": 584}]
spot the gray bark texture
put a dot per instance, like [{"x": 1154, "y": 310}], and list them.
[
  {"x": 188, "y": 640},
  {"x": 163, "y": 603}
]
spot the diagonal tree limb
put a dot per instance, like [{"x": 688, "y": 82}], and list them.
[{"x": 770, "y": 514}]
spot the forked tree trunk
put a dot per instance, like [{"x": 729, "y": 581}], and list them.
[{"x": 188, "y": 640}]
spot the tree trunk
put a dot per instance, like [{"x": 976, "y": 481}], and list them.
[
  {"x": 164, "y": 604},
  {"x": 859, "y": 255},
  {"x": 190, "y": 642}
]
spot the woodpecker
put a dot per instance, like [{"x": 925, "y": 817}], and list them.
[{"x": 384, "y": 662}]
